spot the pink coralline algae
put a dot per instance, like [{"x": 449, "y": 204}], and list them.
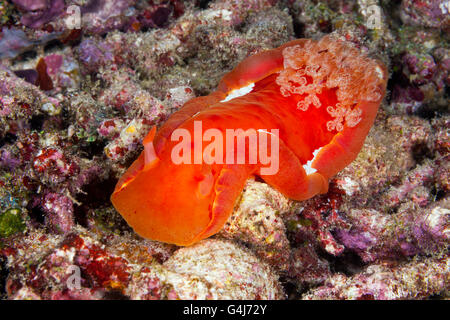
[
  {"x": 93, "y": 55},
  {"x": 59, "y": 212},
  {"x": 376, "y": 236},
  {"x": 414, "y": 280},
  {"x": 38, "y": 12},
  {"x": 76, "y": 102},
  {"x": 13, "y": 42},
  {"x": 137, "y": 270},
  {"x": 53, "y": 165},
  {"x": 422, "y": 79},
  {"x": 103, "y": 270},
  {"x": 101, "y": 16},
  {"x": 63, "y": 70},
  {"x": 431, "y": 13},
  {"x": 317, "y": 218}
]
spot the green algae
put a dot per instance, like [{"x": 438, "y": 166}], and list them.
[{"x": 11, "y": 223}]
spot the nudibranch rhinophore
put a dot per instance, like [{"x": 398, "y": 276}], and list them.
[{"x": 310, "y": 102}]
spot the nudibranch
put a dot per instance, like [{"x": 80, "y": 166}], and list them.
[{"x": 319, "y": 98}]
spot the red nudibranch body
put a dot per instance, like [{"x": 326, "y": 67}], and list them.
[{"x": 322, "y": 97}]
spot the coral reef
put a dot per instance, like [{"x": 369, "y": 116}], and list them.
[
  {"x": 126, "y": 267},
  {"x": 78, "y": 96},
  {"x": 415, "y": 280},
  {"x": 37, "y": 13}
]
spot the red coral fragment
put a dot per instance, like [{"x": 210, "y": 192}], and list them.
[{"x": 44, "y": 80}]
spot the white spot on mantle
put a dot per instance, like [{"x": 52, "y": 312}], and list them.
[
  {"x": 308, "y": 164},
  {"x": 239, "y": 92},
  {"x": 379, "y": 72}
]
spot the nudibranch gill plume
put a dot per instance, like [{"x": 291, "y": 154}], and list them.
[{"x": 320, "y": 99}]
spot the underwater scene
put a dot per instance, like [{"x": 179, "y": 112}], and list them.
[{"x": 224, "y": 149}]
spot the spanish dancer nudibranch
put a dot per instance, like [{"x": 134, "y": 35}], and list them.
[{"x": 319, "y": 98}]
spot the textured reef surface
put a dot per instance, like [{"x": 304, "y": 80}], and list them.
[{"x": 83, "y": 81}]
